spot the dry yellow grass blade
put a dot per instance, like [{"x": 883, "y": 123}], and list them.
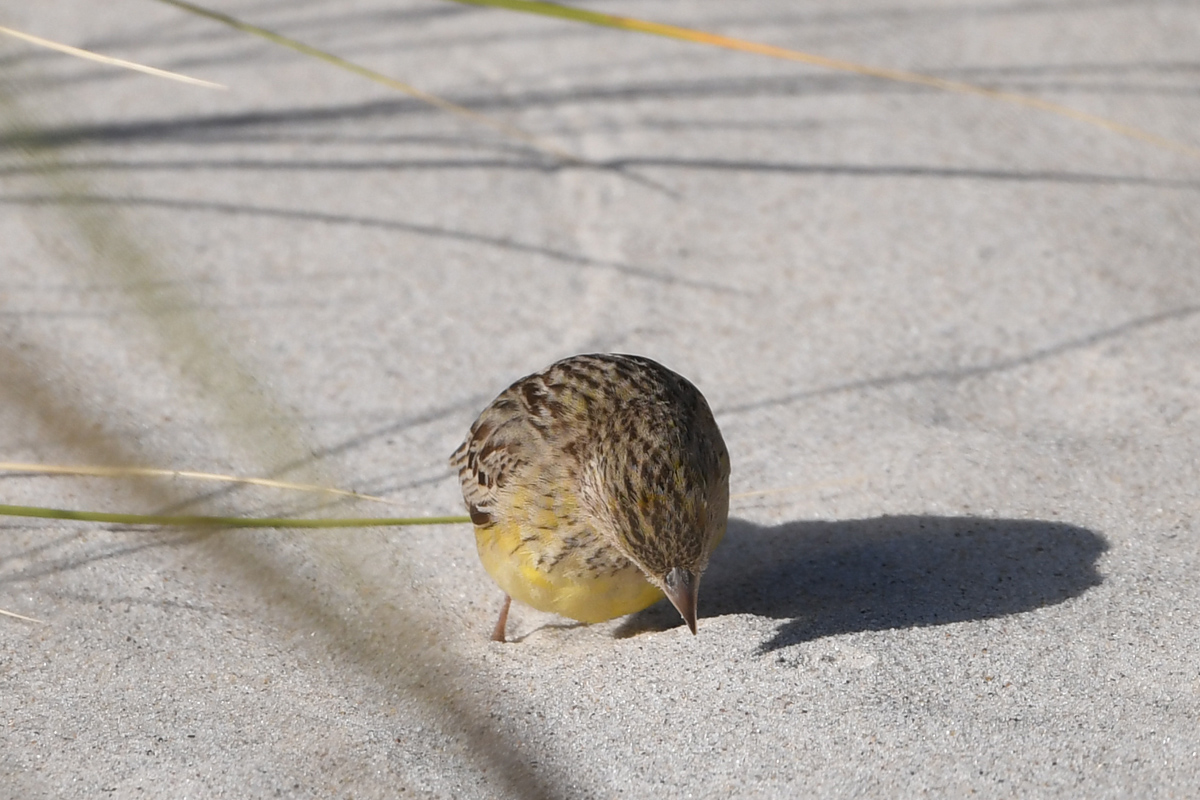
[
  {"x": 153, "y": 472},
  {"x": 15, "y": 615},
  {"x": 109, "y": 60},
  {"x": 898, "y": 75},
  {"x": 380, "y": 78}
]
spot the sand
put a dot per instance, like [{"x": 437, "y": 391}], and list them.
[{"x": 952, "y": 344}]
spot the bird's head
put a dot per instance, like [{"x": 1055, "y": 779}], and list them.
[{"x": 667, "y": 517}]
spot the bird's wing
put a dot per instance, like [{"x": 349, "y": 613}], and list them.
[{"x": 495, "y": 452}]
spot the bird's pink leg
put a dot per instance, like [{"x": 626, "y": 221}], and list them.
[{"x": 502, "y": 623}]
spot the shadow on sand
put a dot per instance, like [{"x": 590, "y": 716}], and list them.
[{"x": 827, "y": 578}]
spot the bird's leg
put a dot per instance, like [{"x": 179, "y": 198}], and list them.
[{"x": 502, "y": 623}]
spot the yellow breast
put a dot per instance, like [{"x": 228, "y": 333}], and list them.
[{"x": 566, "y": 583}]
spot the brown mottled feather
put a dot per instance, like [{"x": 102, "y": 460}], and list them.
[{"x": 622, "y": 455}]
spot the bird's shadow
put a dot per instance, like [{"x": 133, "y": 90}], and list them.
[{"x": 827, "y": 578}]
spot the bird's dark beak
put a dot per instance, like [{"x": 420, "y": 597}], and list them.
[{"x": 682, "y": 587}]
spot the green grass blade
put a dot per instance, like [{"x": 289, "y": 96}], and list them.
[
  {"x": 378, "y": 77},
  {"x": 201, "y": 520}
]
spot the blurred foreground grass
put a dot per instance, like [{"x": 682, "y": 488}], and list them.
[{"x": 363, "y": 612}]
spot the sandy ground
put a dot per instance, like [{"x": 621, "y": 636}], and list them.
[{"x": 953, "y": 345}]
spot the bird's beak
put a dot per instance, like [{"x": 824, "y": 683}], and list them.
[{"x": 682, "y": 587}]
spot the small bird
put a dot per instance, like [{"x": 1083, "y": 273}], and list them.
[{"x": 596, "y": 486}]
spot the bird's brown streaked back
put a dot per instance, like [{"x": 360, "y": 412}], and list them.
[{"x": 602, "y": 473}]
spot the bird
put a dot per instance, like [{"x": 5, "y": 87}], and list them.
[{"x": 596, "y": 486}]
